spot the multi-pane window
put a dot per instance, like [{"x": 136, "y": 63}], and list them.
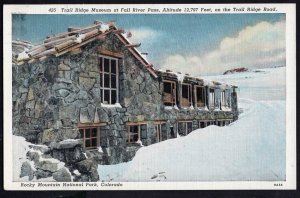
[
  {"x": 211, "y": 100},
  {"x": 108, "y": 68},
  {"x": 90, "y": 137},
  {"x": 134, "y": 132},
  {"x": 200, "y": 96},
  {"x": 161, "y": 132},
  {"x": 184, "y": 127},
  {"x": 169, "y": 93},
  {"x": 186, "y": 95}
]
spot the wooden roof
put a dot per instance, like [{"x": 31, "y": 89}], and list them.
[{"x": 71, "y": 41}]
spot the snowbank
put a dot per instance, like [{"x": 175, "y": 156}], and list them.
[
  {"x": 250, "y": 149},
  {"x": 21, "y": 147}
]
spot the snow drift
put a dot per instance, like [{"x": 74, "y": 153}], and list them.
[{"x": 250, "y": 149}]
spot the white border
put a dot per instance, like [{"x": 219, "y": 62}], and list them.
[{"x": 290, "y": 183}]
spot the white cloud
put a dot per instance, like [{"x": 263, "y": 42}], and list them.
[
  {"x": 261, "y": 45},
  {"x": 183, "y": 64},
  {"x": 258, "y": 46},
  {"x": 144, "y": 34}
]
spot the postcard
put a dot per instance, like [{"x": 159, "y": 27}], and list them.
[{"x": 145, "y": 97}]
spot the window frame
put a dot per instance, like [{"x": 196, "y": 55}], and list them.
[
  {"x": 102, "y": 74},
  {"x": 173, "y": 94},
  {"x": 131, "y": 124},
  {"x": 205, "y": 123},
  {"x": 190, "y": 96},
  {"x": 213, "y": 105},
  {"x": 224, "y": 98},
  {"x": 158, "y": 125},
  {"x": 185, "y": 123},
  {"x": 196, "y": 96},
  {"x": 84, "y": 128}
]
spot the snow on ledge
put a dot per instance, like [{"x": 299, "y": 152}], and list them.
[
  {"x": 111, "y": 105},
  {"x": 76, "y": 172},
  {"x": 169, "y": 107},
  {"x": 100, "y": 149},
  {"x": 139, "y": 142}
]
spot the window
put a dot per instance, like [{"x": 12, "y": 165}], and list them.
[
  {"x": 108, "y": 68},
  {"x": 134, "y": 132},
  {"x": 219, "y": 123},
  {"x": 224, "y": 98},
  {"x": 90, "y": 137},
  {"x": 200, "y": 96},
  {"x": 186, "y": 96},
  {"x": 211, "y": 98},
  {"x": 169, "y": 93},
  {"x": 158, "y": 134},
  {"x": 184, "y": 127},
  {"x": 202, "y": 124},
  {"x": 161, "y": 131}
]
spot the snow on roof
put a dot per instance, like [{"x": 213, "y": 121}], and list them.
[{"x": 181, "y": 77}]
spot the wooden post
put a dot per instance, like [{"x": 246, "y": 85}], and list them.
[{"x": 139, "y": 132}]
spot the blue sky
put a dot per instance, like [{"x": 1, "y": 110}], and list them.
[{"x": 178, "y": 41}]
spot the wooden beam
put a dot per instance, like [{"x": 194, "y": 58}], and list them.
[
  {"x": 76, "y": 45},
  {"x": 91, "y": 33},
  {"x": 76, "y": 51},
  {"x": 46, "y": 53},
  {"x": 59, "y": 40},
  {"x": 37, "y": 51},
  {"x": 20, "y": 63},
  {"x": 62, "y": 46},
  {"x": 110, "y": 53},
  {"x": 101, "y": 38},
  {"x": 72, "y": 29},
  {"x": 87, "y": 125},
  {"x": 42, "y": 58},
  {"x": 32, "y": 60},
  {"x": 135, "y": 123},
  {"x": 133, "y": 45},
  {"x": 119, "y": 31},
  {"x": 73, "y": 32},
  {"x": 136, "y": 55},
  {"x": 149, "y": 66}
]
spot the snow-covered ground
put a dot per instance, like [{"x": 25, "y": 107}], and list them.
[{"x": 250, "y": 149}]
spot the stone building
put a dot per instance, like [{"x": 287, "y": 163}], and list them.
[{"x": 93, "y": 85}]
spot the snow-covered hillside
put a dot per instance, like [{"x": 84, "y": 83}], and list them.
[{"x": 250, "y": 149}]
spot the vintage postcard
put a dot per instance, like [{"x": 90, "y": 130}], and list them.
[{"x": 129, "y": 97}]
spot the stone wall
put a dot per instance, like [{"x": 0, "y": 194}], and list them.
[{"x": 53, "y": 97}]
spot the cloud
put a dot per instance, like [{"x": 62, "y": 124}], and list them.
[
  {"x": 258, "y": 46},
  {"x": 144, "y": 34},
  {"x": 183, "y": 64}
]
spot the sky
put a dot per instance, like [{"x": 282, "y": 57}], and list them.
[{"x": 198, "y": 44}]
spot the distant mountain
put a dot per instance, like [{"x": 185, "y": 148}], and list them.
[{"x": 236, "y": 70}]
